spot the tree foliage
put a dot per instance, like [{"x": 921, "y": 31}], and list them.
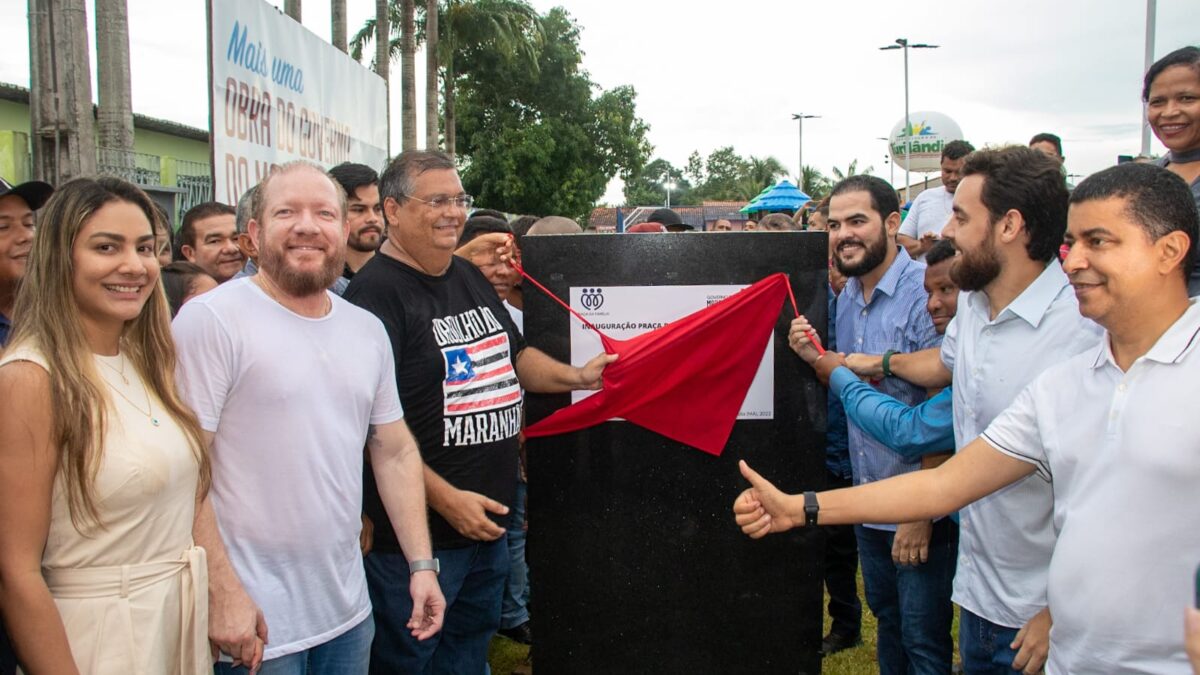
[
  {"x": 814, "y": 183},
  {"x": 648, "y": 186},
  {"x": 723, "y": 176},
  {"x": 543, "y": 140},
  {"x": 498, "y": 29},
  {"x": 851, "y": 170}
]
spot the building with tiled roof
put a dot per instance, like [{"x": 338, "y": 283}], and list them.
[{"x": 604, "y": 219}]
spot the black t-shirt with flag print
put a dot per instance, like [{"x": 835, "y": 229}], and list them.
[{"x": 456, "y": 349}]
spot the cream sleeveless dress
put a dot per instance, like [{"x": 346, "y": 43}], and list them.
[{"x": 133, "y": 595}]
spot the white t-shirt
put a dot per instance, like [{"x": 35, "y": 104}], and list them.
[
  {"x": 289, "y": 399},
  {"x": 1122, "y": 450},
  {"x": 930, "y": 212},
  {"x": 517, "y": 315}
]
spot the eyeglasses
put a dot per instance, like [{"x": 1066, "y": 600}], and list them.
[{"x": 464, "y": 202}]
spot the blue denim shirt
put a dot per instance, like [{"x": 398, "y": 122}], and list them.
[
  {"x": 837, "y": 439},
  {"x": 895, "y": 318},
  {"x": 5, "y": 327}
]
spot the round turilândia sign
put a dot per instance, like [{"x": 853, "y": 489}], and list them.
[{"x": 930, "y": 132}]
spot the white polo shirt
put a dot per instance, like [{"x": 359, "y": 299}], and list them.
[
  {"x": 1123, "y": 452},
  {"x": 1006, "y": 538},
  {"x": 930, "y": 212}
]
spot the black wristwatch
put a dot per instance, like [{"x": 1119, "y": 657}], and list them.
[{"x": 811, "y": 508}]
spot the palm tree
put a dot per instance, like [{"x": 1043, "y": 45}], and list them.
[
  {"x": 114, "y": 119},
  {"x": 383, "y": 58},
  {"x": 814, "y": 183},
  {"x": 851, "y": 170},
  {"x": 510, "y": 28},
  {"x": 431, "y": 74},
  {"x": 408, "y": 74},
  {"x": 760, "y": 173},
  {"x": 337, "y": 18}
]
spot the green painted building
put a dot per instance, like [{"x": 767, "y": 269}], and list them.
[{"x": 170, "y": 161}]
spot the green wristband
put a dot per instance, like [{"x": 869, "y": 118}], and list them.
[{"x": 887, "y": 362}]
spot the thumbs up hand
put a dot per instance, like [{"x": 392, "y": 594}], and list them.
[{"x": 764, "y": 508}]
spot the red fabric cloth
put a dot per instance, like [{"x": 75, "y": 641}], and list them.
[{"x": 688, "y": 379}]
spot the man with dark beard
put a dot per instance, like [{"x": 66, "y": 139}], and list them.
[
  {"x": 1112, "y": 426},
  {"x": 364, "y": 214},
  {"x": 1018, "y": 318},
  {"x": 907, "y": 568},
  {"x": 290, "y": 382}
]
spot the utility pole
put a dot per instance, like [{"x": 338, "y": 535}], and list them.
[
  {"x": 1150, "y": 21},
  {"x": 800, "y": 117},
  {"x": 114, "y": 117},
  {"x": 60, "y": 98},
  {"x": 902, "y": 43},
  {"x": 292, "y": 9}
]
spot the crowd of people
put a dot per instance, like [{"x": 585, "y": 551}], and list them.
[
  {"x": 1063, "y": 523},
  {"x": 287, "y": 437}
]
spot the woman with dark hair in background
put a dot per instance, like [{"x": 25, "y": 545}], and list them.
[
  {"x": 183, "y": 281},
  {"x": 101, "y": 464},
  {"x": 1171, "y": 92}
]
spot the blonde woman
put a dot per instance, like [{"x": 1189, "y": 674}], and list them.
[{"x": 100, "y": 462}]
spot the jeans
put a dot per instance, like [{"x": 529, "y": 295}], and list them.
[
  {"x": 346, "y": 654},
  {"x": 472, "y": 580},
  {"x": 841, "y": 568},
  {"x": 911, "y": 604},
  {"x": 515, "y": 609},
  {"x": 984, "y": 645}
]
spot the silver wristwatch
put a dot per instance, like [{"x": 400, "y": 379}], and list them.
[{"x": 422, "y": 565}]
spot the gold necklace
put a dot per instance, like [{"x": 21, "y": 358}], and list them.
[
  {"x": 120, "y": 372},
  {"x": 149, "y": 411}
]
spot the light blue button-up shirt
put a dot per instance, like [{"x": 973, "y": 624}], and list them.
[
  {"x": 895, "y": 318},
  {"x": 1006, "y": 538}
]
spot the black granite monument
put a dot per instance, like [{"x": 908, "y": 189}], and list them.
[{"x": 636, "y": 563}]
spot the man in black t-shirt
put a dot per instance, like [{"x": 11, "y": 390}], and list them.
[{"x": 460, "y": 366}]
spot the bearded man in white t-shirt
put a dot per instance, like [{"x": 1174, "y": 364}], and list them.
[{"x": 290, "y": 383}]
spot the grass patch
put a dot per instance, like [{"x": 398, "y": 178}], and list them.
[{"x": 505, "y": 656}]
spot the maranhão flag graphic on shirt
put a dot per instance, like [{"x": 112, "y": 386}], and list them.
[
  {"x": 479, "y": 376},
  {"x": 687, "y": 379}
]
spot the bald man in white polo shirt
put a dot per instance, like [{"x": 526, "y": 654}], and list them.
[{"x": 1113, "y": 429}]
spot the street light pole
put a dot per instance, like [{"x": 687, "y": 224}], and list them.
[
  {"x": 1150, "y": 20},
  {"x": 890, "y": 160},
  {"x": 669, "y": 185},
  {"x": 902, "y": 43},
  {"x": 800, "y": 117}
]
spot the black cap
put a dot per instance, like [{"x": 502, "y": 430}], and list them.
[
  {"x": 35, "y": 192},
  {"x": 668, "y": 219}
]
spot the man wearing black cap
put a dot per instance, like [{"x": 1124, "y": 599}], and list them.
[
  {"x": 670, "y": 220},
  {"x": 17, "y": 204}
]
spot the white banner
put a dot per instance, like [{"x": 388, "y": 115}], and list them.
[
  {"x": 622, "y": 312},
  {"x": 280, "y": 93}
]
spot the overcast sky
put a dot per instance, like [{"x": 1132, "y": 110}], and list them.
[{"x": 711, "y": 74}]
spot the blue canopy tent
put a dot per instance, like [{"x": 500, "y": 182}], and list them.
[
  {"x": 757, "y": 197},
  {"x": 782, "y": 197}
]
